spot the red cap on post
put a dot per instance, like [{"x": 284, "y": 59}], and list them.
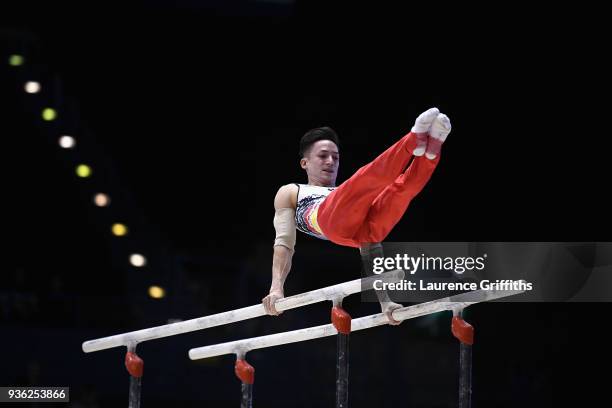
[
  {"x": 244, "y": 371},
  {"x": 462, "y": 330},
  {"x": 134, "y": 364},
  {"x": 341, "y": 320}
]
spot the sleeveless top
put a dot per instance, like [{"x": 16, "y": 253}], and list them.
[{"x": 308, "y": 201}]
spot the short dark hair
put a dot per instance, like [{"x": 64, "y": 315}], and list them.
[{"x": 316, "y": 134}]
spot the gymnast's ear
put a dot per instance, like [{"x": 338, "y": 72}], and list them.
[{"x": 303, "y": 162}]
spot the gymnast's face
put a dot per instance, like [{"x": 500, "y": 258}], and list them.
[{"x": 321, "y": 163}]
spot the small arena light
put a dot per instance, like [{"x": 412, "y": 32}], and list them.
[
  {"x": 101, "y": 200},
  {"x": 67, "y": 142},
  {"x": 119, "y": 230},
  {"x": 16, "y": 60},
  {"x": 32, "y": 87},
  {"x": 83, "y": 170},
  {"x": 157, "y": 292},
  {"x": 49, "y": 114},
  {"x": 138, "y": 260}
]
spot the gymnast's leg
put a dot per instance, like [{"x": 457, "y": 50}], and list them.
[{"x": 344, "y": 211}]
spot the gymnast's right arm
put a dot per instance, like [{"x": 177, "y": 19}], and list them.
[{"x": 284, "y": 244}]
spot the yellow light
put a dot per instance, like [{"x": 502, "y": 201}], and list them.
[
  {"x": 101, "y": 200},
  {"x": 157, "y": 292},
  {"x": 32, "y": 87},
  {"x": 49, "y": 114},
  {"x": 83, "y": 170},
  {"x": 16, "y": 60},
  {"x": 138, "y": 260},
  {"x": 119, "y": 229}
]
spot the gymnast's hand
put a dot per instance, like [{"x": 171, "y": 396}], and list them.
[
  {"x": 270, "y": 300},
  {"x": 388, "y": 308}
]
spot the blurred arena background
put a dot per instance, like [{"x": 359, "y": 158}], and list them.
[{"x": 187, "y": 116}]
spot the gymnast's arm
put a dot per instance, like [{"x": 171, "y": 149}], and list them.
[{"x": 284, "y": 223}]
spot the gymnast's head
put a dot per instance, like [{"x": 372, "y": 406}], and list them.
[{"x": 320, "y": 156}]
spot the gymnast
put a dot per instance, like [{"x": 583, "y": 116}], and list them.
[{"x": 361, "y": 211}]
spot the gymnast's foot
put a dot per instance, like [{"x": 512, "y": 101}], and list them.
[
  {"x": 421, "y": 128},
  {"x": 440, "y": 129},
  {"x": 388, "y": 308}
]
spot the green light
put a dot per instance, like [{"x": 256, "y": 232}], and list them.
[
  {"x": 49, "y": 114},
  {"x": 16, "y": 60},
  {"x": 83, "y": 170}
]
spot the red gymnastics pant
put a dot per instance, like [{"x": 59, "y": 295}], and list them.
[{"x": 366, "y": 207}]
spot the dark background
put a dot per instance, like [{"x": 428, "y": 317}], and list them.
[{"x": 190, "y": 115}]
